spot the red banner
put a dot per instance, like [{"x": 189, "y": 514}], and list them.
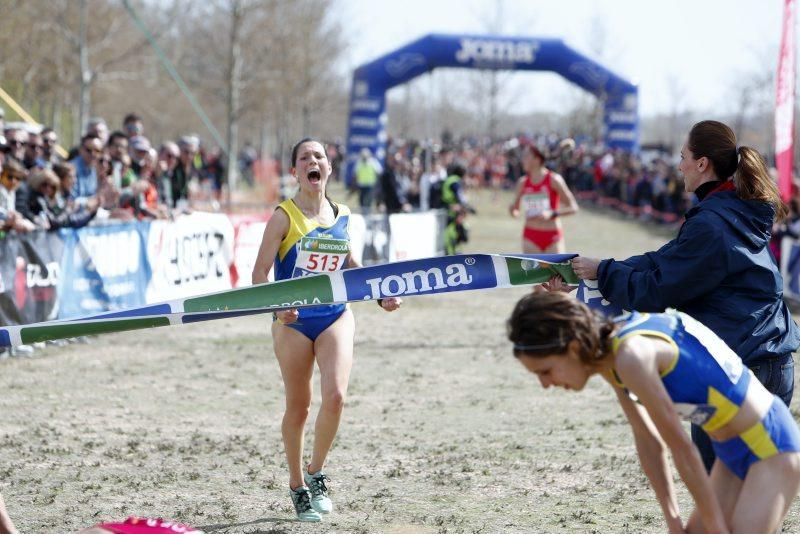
[{"x": 784, "y": 104}]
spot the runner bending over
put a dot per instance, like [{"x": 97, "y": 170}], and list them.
[{"x": 665, "y": 366}]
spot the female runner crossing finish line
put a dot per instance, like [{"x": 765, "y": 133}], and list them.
[{"x": 310, "y": 234}]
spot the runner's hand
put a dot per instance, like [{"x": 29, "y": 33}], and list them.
[
  {"x": 287, "y": 316},
  {"x": 556, "y": 283},
  {"x": 391, "y": 303}
]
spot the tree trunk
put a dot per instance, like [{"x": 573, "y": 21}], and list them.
[
  {"x": 234, "y": 89},
  {"x": 85, "y": 74}
]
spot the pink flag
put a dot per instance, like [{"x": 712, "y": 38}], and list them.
[{"x": 784, "y": 104}]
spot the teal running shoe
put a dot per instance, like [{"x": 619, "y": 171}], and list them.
[
  {"x": 301, "y": 498},
  {"x": 319, "y": 491}
]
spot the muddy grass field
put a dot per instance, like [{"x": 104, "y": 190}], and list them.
[{"x": 442, "y": 430}]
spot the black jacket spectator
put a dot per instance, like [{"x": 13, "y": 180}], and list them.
[{"x": 42, "y": 206}]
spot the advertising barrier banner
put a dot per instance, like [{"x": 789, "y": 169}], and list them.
[
  {"x": 416, "y": 235},
  {"x": 189, "y": 256},
  {"x": 29, "y": 274},
  {"x": 103, "y": 268}
]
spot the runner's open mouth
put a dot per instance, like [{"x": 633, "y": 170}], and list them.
[{"x": 314, "y": 176}]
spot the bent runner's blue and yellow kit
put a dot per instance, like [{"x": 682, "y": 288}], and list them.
[
  {"x": 708, "y": 383},
  {"x": 310, "y": 248}
]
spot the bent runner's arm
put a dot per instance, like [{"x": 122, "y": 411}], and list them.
[
  {"x": 636, "y": 365},
  {"x": 652, "y": 457}
]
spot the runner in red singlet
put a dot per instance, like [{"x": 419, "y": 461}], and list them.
[{"x": 539, "y": 193}]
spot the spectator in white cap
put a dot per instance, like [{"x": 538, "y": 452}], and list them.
[
  {"x": 140, "y": 147},
  {"x": 190, "y": 140},
  {"x": 140, "y": 143},
  {"x": 167, "y": 162}
]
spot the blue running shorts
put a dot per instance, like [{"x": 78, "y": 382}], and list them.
[{"x": 776, "y": 433}]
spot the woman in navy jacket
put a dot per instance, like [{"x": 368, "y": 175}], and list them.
[{"x": 719, "y": 268}]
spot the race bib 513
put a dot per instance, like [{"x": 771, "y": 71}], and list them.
[{"x": 319, "y": 254}]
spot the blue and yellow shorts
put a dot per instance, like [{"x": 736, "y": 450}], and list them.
[{"x": 776, "y": 433}]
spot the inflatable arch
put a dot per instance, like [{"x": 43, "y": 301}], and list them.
[{"x": 367, "y": 120}]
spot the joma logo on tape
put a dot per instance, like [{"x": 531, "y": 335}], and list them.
[{"x": 419, "y": 281}]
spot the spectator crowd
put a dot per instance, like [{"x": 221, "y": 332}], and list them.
[
  {"x": 109, "y": 175},
  {"x": 116, "y": 174},
  {"x": 648, "y": 187}
]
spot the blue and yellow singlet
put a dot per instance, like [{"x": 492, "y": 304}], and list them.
[
  {"x": 706, "y": 380},
  {"x": 310, "y": 248}
]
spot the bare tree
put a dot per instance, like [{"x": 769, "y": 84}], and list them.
[
  {"x": 752, "y": 95},
  {"x": 238, "y": 11},
  {"x": 676, "y": 92},
  {"x": 490, "y": 88},
  {"x": 88, "y": 57}
]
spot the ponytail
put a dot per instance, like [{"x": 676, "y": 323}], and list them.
[
  {"x": 753, "y": 181},
  {"x": 717, "y": 142}
]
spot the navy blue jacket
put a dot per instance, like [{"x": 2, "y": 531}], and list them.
[{"x": 720, "y": 271}]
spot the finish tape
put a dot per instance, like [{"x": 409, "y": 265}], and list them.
[{"x": 428, "y": 276}]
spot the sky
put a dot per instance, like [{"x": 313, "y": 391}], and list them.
[{"x": 683, "y": 54}]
